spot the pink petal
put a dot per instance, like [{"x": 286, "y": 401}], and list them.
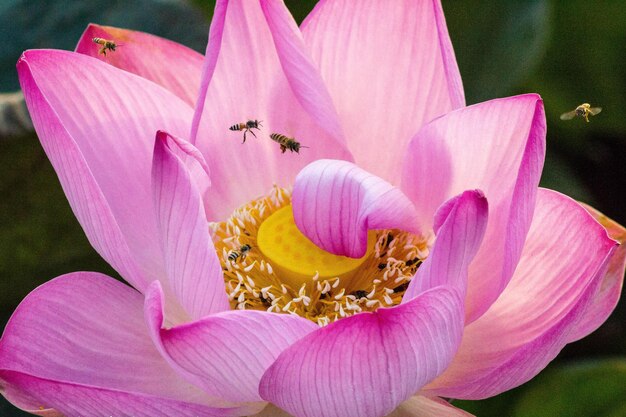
[
  {"x": 194, "y": 273},
  {"x": 99, "y": 137},
  {"x": 609, "y": 291},
  {"x": 167, "y": 63},
  {"x": 256, "y": 67},
  {"x": 367, "y": 364},
  {"x": 497, "y": 147},
  {"x": 390, "y": 69},
  {"x": 463, "y": 223},
  {"x": 335, "y": 203},
  {"x": 227, "y": 353},
  {"x": 420, "y": 406},
  {"x": 565, "y": 257},
  {"x": 79, "y": 344}
]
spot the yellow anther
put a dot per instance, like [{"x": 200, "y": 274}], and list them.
[{"x": 297, "y": 258}]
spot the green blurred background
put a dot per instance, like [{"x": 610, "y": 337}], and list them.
[{"x": 569, "y": 52}]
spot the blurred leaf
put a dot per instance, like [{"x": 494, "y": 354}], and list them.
[
  {"x": 498, "y": 406},
  {"x": 498, "y": 44},
  {"x": 560, "y": 176},
  {"x": 30, "y": 24},
  {"x": 591, "y": 389},
  {"x": 585, "y": 63},
  {"x": 14, "y": 117},
  {"x": 42, "y": 238},
  {"x": 8, "y": 410}
]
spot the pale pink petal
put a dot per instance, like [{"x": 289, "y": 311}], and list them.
[
  {"x": 99, "y": 138},
  {"x": 420, "y": 406},
  {"x": 497, "y": 147},
  {"x": 79, "y": 344},
  {"x": 167, "y": 63},
  {"x": 565, "y": 258},
  {"x": 256, "y": 68},
  {"x": 608, "y": 293},
  {"x": 390, "y": 69},
  {"x": 272, "y": 411},
  {"x": 367, "y": 364},
  {"x": 194, "y": 273},
  {"x": 335, "y": 203},
  {"x": 463, "y": 223},
  {"x": 227, "y": 353}
]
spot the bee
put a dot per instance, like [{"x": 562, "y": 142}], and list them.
[
  {"x": 106, "y": 44},
  {"x": 584, "y": 110},
  {"x": 246, "y": 127},
  {"x": 359, "y": 294},
  {"x": 287, "y": 143},
  {"x": 233, "y": 255}
]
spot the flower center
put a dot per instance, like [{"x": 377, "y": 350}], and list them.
[
  {"x": 296, "y": 258},
  {"x": 270, "y": 265}
]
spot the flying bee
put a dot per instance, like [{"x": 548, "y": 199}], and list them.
[
  {"x": 584, "y": 110},
  {"x": 105, "y": 44},
  {"x": 246, "y": 127},
  {"x": 233, "y": 255},
  {"x": 287, "y": 143}
]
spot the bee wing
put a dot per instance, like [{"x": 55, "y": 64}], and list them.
[
  {"x": 569, "y": 115},
  {"x": 595, "y": 110}
]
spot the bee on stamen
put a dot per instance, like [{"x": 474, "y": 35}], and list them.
[
  {"x": 584, "y": 110},
  {"x": 412, "y": 262},
  {"x": 246, "y": 127},
  {"x": 106, "y": 44},
  {"x": 286, "y": 142},
  {"x": 233, "y": 255},
  {"x": 359, "y": 294}
]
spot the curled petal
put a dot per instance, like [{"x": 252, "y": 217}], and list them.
[
  {"x": 227, "y": 353},
  {"x": 99, "y": 138},
  {"x": 167, "y": 63},
  {"x": 498, "y": 147},
  {"x": 335, "y": 203},
  {"x": 96, "y": 354},
  {"x": 463, "y": 222},
  {"x": 257, "y": 68},
  {"x": 384, "y": 94},
  {"x": 194, "y": 274},
  {"x": 552, "y": 292},
  {"x": 342, "y": 369}
]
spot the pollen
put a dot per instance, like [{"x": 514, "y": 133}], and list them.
[{"x": 284, "y": 272}]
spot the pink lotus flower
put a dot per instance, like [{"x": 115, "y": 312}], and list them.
[{"x": 442, "y": 295}]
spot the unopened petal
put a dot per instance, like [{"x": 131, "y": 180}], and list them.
[{"x": 335, "y": 203}]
